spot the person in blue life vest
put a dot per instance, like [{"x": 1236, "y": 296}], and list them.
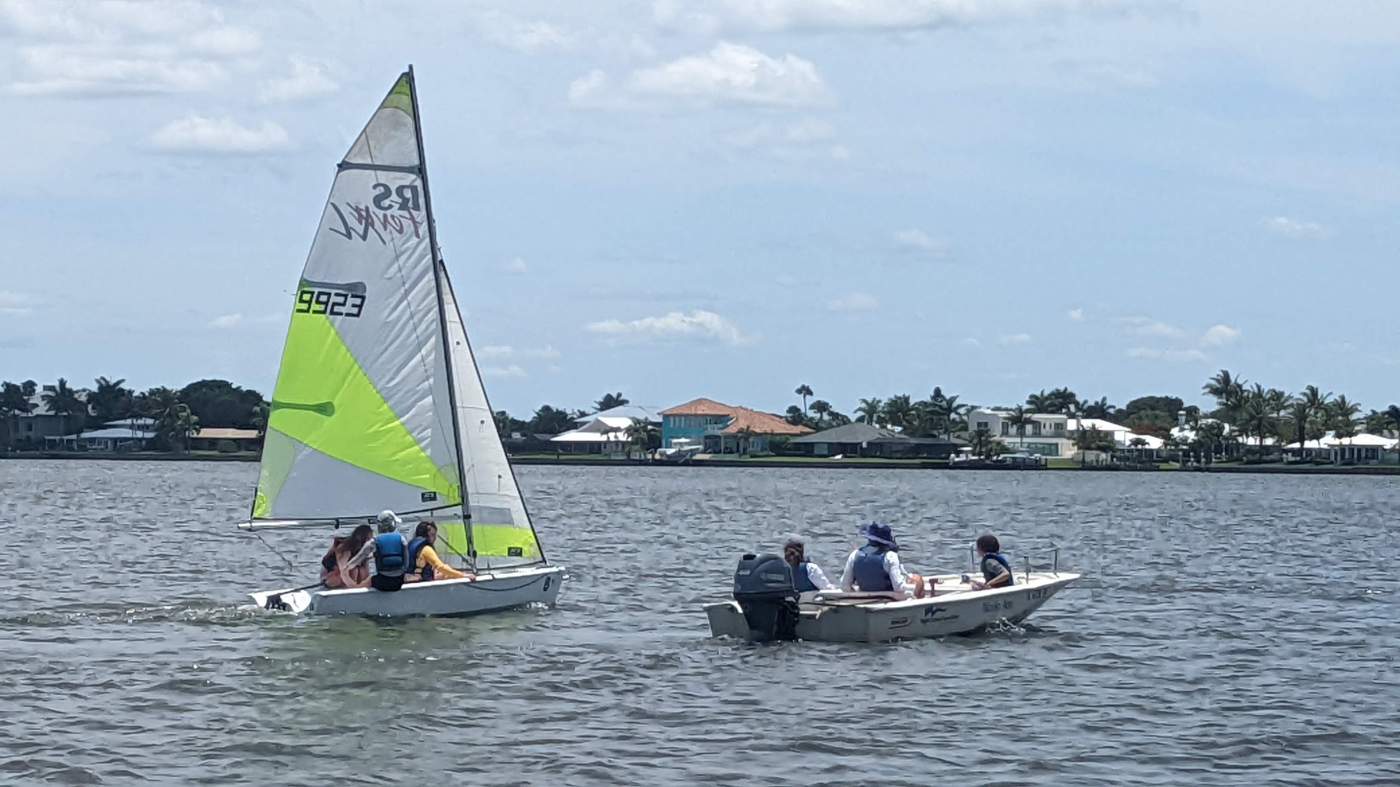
[
  {"x": 424, "y": 565},
  {"x": 875, "y": 567},
  {"x": 390, "y": 553},
  {"x": 807, "y": 576},
  {"x": 996, "y": 569}
]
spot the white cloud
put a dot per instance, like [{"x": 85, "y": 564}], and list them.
[
  {"x": 1155, "y": 354},
  {"x": 1075, "y": 315},
  {"x": 545, "y": 353},
  {"x": 199, "y": 134},
  {"x": 772, "y": 16},
  {"x": 972, "y": 341},
  {"x": 495, "y": 351},
  {"x": 306, "y": 79},
  {"x": 226, "y": 321},
  {"x": 16, "y": 304},
  {"x": 119, "y": 48},
  {"x": 503, "y": 371},
  {"x": 918, "y": 241},
  {"x": 530, "y": 37},
  {"x": 804, "y": 139},
  {"x": 1218, "y": 335},
  {"x": 698, "y": 324},
  {"x": 590, "y": 90},
  {"x": 1293, "y": 228},
  {"x": 517, "y": 265},
  {"x": 1015, "y": 338},
  {"x": 1146, "y": 326},
  {"x": 854, "y": 302},
  {"x": 733, "y": 74}
]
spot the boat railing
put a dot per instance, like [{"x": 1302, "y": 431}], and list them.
[{"x": 1054, "y": 559}]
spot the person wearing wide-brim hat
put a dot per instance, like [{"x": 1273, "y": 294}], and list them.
[{"x": 875, "y": 567}]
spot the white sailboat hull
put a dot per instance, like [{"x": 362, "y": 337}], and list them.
[
  {"x": 489, "y": 592},
  {"x": 954, "y": 609}
]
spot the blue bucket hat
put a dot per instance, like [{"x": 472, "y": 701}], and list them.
[{"x": 877, "y": 533}]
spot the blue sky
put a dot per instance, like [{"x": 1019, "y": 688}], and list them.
[{"x": 729, "y": 198}]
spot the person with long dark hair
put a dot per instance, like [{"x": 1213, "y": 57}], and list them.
[{"x": 345, "y": 565}]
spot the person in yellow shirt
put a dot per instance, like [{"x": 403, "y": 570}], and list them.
[{"x": 424, "y": 563}]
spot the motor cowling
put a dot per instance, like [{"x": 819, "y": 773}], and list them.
[{"x": 764, "y": 591}]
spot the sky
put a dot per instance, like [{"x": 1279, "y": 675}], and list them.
[{"x": 728, "y": 198}]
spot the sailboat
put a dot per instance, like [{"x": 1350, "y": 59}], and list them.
[{"x": 379, "y": 403}]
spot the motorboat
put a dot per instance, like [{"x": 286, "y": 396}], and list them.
[{"x": 768, "y": 608}]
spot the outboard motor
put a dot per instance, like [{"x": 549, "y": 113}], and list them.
[{"x": 764, "y": 590}]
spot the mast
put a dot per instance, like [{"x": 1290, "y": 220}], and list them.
[{"x": 442, "y": 316}]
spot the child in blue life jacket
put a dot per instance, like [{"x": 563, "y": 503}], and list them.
[{"x": 996, "y": 569}]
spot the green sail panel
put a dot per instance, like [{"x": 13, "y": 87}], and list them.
[{"x": 361, "y": 414}]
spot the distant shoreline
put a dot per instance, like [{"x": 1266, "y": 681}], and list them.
[{"x": 762, "y": 462}]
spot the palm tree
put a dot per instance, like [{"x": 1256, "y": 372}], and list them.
[
  {"x": 869, "y": 411},
  {"x": 1341, "y": 416},
  {"x": 63, "y": 401},
  {"x": 804, "y": 390},
  {"x": 609, "y": 401},
  {"x": 1099, "y": 409},
  {"x": 981, "y": 442},
  {"x": 1021, "y": 418},
  {"x": 795, "y": 416},
  {"x": 109, "y": 400},
  {"x": 1392, "y": 418},
  {"x": 899, "y": 411},
  {"x": 14, "y": 402},
  {"x": 1229, "y": 392},
  {"x": 1040, "y": 402},
  {"x": 1309, "y": 404},
  {"x": 642, "y": 434},
  {"x": 262, "y": 410},
  {"x": 821, "y": 407}
]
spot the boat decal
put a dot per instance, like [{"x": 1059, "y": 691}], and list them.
[{"x": 899, "y": 623}]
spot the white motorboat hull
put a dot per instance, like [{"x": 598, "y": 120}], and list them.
[
  {"x": 488, "y": 592},
  {"x": 955, "y": 608}
]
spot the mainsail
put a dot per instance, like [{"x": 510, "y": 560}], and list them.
[{"x": 378, "y": 403}]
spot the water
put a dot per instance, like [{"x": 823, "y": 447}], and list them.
[{"x": 1229, "y": 630}]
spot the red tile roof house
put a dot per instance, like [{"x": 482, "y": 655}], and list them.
[{"x": 723, "y": 428}]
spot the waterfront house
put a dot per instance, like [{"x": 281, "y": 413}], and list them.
[
  {"x": 861, "y": 439},
  {"x": 225, "y": 439},
  {"x": 631, "y": 412},
  {"x": 1361, "y": 449},
  {"x": 32, "y": 429},
  {"x": 723, "y": 428},
  {"x": 1047, "y": 434},
  {"x": 605, "y": 435}
]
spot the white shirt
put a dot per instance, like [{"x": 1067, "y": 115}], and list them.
[
  {"x": 898, "y": 579},
  {"x": 818, "y": 577}
]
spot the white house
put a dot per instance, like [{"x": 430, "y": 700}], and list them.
[
  {"x": 602, "y": 435},
  {"x": 1048, "y": 434}
]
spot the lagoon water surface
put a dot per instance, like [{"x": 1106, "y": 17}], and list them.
[{"x": 1238, "y": 629}]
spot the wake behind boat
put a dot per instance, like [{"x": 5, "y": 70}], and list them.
[
  {"x": 766, "y": 606},
  {"x": 379, "y": 403}
]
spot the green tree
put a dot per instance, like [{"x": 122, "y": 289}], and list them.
[
  {"x": 551, "y": 420},
  {"x": 982, "y": 442},
  {"x": 795, "y": 416},
  {"x": 176, "y": 425},
  {"x": 1091, "y": 439},
  {"x": 948, "y": 414},
  {"x": 63, "y": 402},
  {"x": 1100, "y": 409},
  {"x": 869, "y": 411},
  {"x": 1309, "y": 405},
  {"x": 822, "y": 408},
  {"x": 609, "y": 401},
  {"x": 109, "y": 401},
  {"x": 1342, "y": 415},
  {"x": 804, "y": 390},
  {"x": 899, "y": 411},
  {"x": 258, "y": 417},
  {"x": 14, "y": 402},
  {"x": 642, "y": 434},
  {"x": 1229, "y": 392},
  {"x": 1019, "y": 419},
  {"x": 220, "y": 403}
]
